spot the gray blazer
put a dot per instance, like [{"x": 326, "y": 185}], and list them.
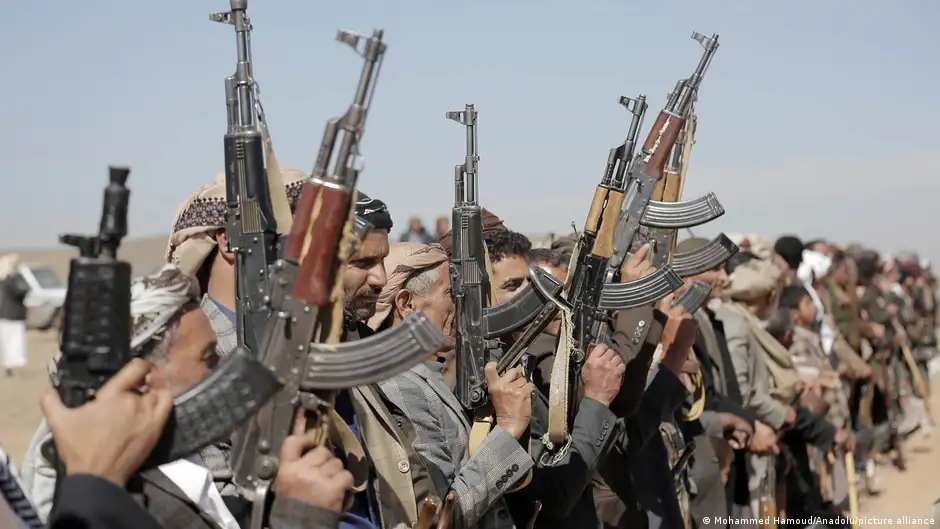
[
  {"x": 750, "y": 368},
  {"x": 442, "y": 437}
]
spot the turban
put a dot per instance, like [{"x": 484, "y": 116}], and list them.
[
  {"x": 202, "y": 214},
  {"x": 814, "y": 266},
  {"x": 753, "y": 279},
  {"x": 155, "y": 300},
  {"x": 490, "y": 223},
  {"x": 373, "y": 210},
  {"x": 405, "y": 259}
]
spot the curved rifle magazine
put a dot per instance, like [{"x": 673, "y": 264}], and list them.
[
  {"x": 211, "y": 410},
  {"x": 523, "y": 308},
  {"x": 708, "y": 257},
  {"x": 373, "y": 359},
  {"x": 694, "y": 297},
  {"x": 644, "y": 291},
  {"x": 685, "y": 214}
]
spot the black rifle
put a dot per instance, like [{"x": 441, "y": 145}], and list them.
[
  {"x": 251, "y": 228},
  {"x": 96, "y": 344},
  {"x": 480, "y": 321}
]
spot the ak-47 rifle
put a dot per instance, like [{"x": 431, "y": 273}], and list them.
[
  {"x": 307, "y": 298},
  {"x": 586, "y": 279},
  {"x": 96, "y": 344},
  {"x": 480, "y": 321},
  {"x": 258, "y": 215}
]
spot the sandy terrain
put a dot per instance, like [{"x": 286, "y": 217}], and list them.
[{"x": 909, "y": 494}]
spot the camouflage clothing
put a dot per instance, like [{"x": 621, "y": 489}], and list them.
[{"x": 809, "y": 359}]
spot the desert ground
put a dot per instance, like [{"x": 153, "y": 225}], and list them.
[{"x": 911, "y": 493}]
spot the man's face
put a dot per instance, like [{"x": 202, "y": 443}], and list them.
[
  {"x": 442, "y": 226},
  {"x": 365, "y": 276},
  {"x": 415, "y": 225},
  {"x": 560, "y": 273},
  {"x": 192, "y": 354},
  {"x": 509, "y": 276},
  {"x": 438, "y": 305},
  {"x": 806, "y": 311}
]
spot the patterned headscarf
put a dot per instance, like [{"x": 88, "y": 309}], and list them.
[
  {"x": 155, "y": 300},
  {"x": 753, "y": 279},
  {"x": 202, "y": 214},
  {"x": 405, "y": 259}
]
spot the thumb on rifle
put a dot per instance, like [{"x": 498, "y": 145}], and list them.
[
  {"x": 639, "y": 256},
  {"x": 491, "y": 373}
]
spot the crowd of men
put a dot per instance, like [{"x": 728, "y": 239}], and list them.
[{"x": 803, "y": 356}]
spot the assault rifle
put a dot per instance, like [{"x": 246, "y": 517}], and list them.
[
  {"x": 596, "y": 244},
  {"x": 257, "y": 213},
  {"x": 306, "y": 295},
  {"x": 479, "y": 320},
  {"x": 96, "y": 344}
]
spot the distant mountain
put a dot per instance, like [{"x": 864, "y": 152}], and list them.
[{"x": 144, "y": 254}]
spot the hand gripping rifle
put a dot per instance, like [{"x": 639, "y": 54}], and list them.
[
  {"x": 479, "y": 321},
  {"x": 96, "y": 340},
  {"x": 307, "y": 299},
  {"x": 596, "y": 245},
  {"x": 257, "y": 210}
]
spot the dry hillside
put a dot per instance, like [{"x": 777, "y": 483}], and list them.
[{"x": 144, "y": 254}]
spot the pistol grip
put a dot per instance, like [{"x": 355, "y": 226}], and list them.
[{"x": 329, "y": 214}]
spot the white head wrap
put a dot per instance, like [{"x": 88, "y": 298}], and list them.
[
  {"x": 814, "y": 266},
  {"x": 155, "y": 300}
]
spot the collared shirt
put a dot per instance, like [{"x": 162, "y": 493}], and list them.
[
  {"x": 194, "y": 479},
  {"x": 229, "y": 313}
]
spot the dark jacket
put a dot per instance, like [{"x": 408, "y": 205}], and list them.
[
  {"x": 13, "y": 291},
  {"x": 89, "y": 502},
  {"x": 563, "y": 486}
]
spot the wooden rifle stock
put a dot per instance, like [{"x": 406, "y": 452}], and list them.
[{"x": 321, "y": 214}]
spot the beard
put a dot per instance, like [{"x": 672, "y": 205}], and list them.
[{"x": 361, "y": 304}]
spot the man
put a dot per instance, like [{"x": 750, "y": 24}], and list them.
[
  {"x": 199, "y": 247},
  {"x": 762, "y": 367},
  {"x": 728, "y": 426},
  {"x": 419, "y": 280},
  {"x": 416, "y": 232},
  {"x": 441, "y": 227},
  {"x": 13, "y": 291},
  {"x": 562, "y": 486},
  {"x": 170, "y": 332},
  {"x": 790, "y": 248},
  {"x": 614, "y": 493}
]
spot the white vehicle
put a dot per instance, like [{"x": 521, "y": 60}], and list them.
[{"x": 45, "y": 299}]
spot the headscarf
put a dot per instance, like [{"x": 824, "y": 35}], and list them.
[
  {"x": 9, "y": 265},
  {"x": 753, "y": 280},
  {"x": 202, "y": 214},
  {"x": 405, "y": 259},
  {"x": 373, "y": 210},
  {"x": 815, "y": 265},
  {"x": 490, "y": 223},
  {"x": 155, "y": 300}
]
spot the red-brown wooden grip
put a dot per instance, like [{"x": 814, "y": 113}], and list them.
[
  {"x": 660, "y": 141},
  {"x": 314, "y": 278},
  {"x": 301, "y": 225}
]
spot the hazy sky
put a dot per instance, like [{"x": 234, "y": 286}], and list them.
[{"x": 836, "y": 97}]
